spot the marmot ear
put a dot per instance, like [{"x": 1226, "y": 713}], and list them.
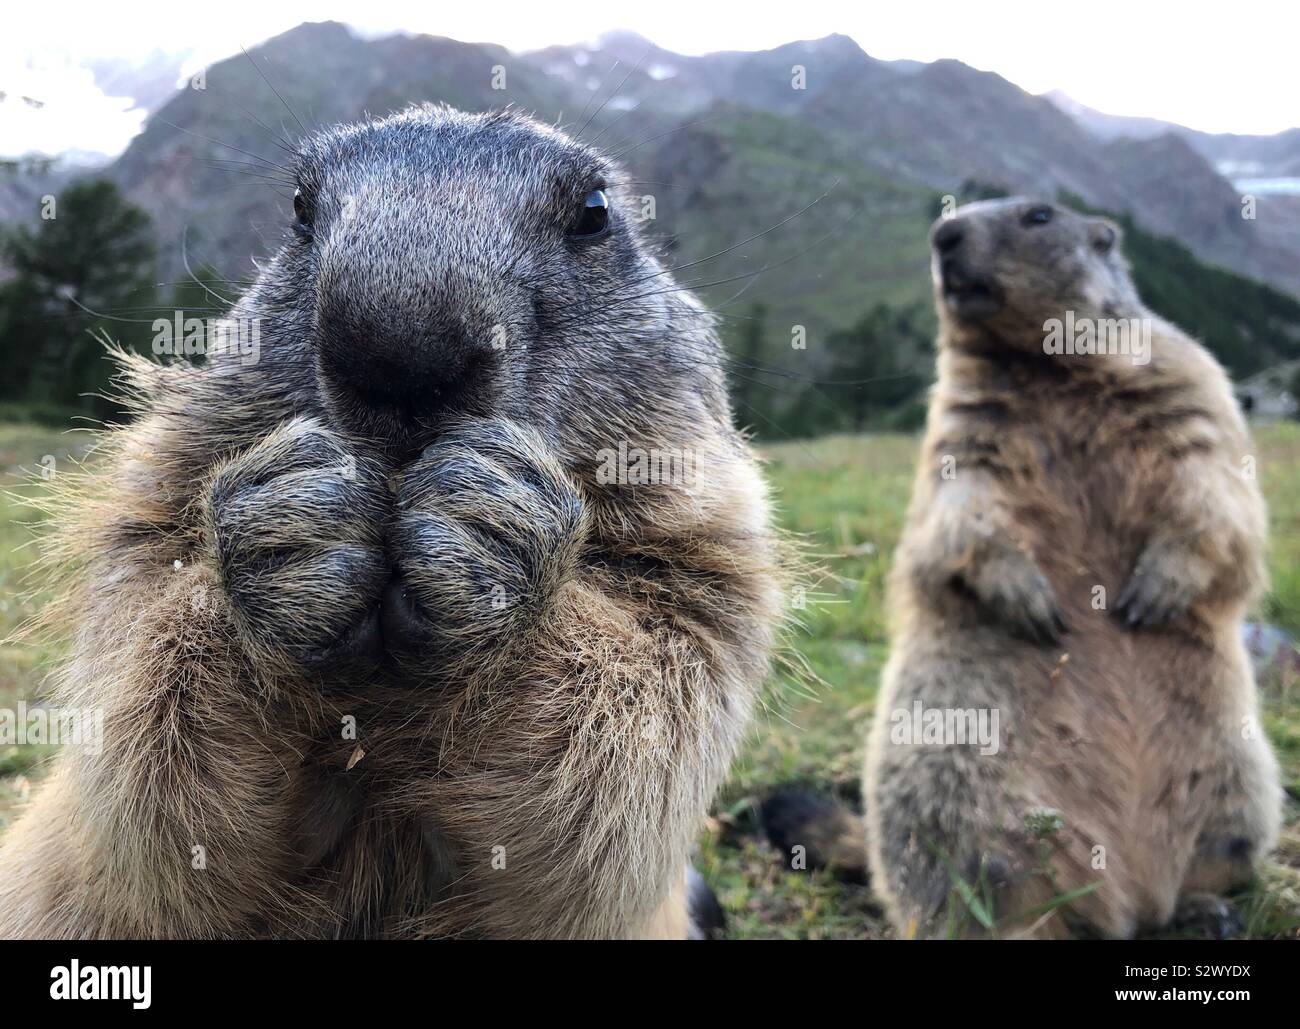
[{"x": 1104, "y": 235}]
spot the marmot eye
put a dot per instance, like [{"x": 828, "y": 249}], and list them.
[
  {"x": 300, "y": 208},
  {"x": 1037, "y": 216},
  {"x": 593, "y": 217}
]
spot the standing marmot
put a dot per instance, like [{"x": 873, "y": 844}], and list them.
[
  {"x": 1084, "y": 538},
  {"x": 442, "y": 617}
]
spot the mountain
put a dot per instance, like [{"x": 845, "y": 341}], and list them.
[
  {"x": 205, "y": 165},
  {"x": 1108, "y": 126},
  {"x": 828, "y": 161},
  {"x": 675, "y": 83},
  {"x": 943, "y": 124},
  {"x": 1234, "y": 156},
  {"x": 921, "y": 127}
]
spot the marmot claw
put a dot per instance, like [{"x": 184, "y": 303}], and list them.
[
  {"x": 1012, "y": 590},
  {"x": 1161, "y": 589}
]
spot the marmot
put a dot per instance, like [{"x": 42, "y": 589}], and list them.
[
  {"x": 442, "y": 617},
  {"x": 1084, "y": 537}
]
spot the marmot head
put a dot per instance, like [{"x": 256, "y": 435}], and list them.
[
  {"x": 444, "y": 265},
  {"x": 1002, "y": 268}
]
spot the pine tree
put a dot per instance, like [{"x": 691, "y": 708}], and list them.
[{"x": 83, "y": 272}]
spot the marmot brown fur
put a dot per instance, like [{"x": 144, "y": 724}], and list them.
[
  {"x": 1084, "y": 538},
  {"x": 480, "y": 498}
]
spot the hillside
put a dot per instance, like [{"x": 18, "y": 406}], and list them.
[
  {"x": 1273, "y": 156},
  {"x": 729, "y": 150},
  {"x": 934, "y": 125}
]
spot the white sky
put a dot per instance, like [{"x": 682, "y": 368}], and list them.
[{"x": 1223, "y": 67}]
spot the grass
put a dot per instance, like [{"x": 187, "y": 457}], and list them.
[
  {"x": 27, "y": 452},
  {"x": 846, "y": 496}
]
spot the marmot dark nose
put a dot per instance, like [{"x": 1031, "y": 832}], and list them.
[
  {"x": 947, "y": 235},
  {"x": 410, "y": 364}
]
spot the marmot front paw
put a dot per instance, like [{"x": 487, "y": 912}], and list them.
[
  {"x": 1164, "y": 583},
  {"x": 1012, "y": 590},
  {"x": 487, "y": 527},
  {"x": 298, "y": 524}
]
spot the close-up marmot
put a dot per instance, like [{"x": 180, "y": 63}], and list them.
[
  {"x": 1084, "y": 537},
  {"x": 384, "y": 642}
]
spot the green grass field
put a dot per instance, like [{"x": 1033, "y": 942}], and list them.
[{"x": 846, "y": 496}]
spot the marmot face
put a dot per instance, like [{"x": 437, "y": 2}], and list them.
[
  {"x": 445, "y": 265},
  {"x": 1002, "y": 268}
]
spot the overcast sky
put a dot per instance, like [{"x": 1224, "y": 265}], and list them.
[{"x": 1222, "y": 68}]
